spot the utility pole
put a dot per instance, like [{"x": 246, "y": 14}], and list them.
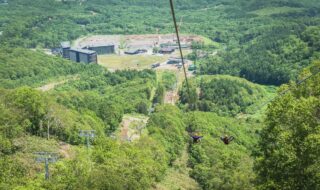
[
  {"x": 48, "y": 130},
  {"x": 40, "y": 128},
  {"x": 88, "y": 134},
  {"x": 46, "y": 157},
  {"x": 151, "y": 110}
]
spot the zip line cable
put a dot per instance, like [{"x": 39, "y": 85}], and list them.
[
  {"x": 179, "y": 44},
  {"x": 185, "y": 72},
  {"x": 290, "y": 88},
  {"x": 181, "y": 55}
]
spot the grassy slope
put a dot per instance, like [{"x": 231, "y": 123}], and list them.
[
  {"x": 267, "y": 92},
  {"x": 177, "y": 177},
  {"x": 19, "y": 67},
  {"x": 269, "y": 11},
  {"x": 115, "y": 62},
  {"x": 217, "y": 166}
]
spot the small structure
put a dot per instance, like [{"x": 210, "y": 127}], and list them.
[
  {"x": 83, "y": 55},
  {"x": 192, "y": 67},
  {"x": 135, "y": 52},
  {"x": 88, "y": 134},
  {"x": 56, "y": 51},
  {"x": 169, "y": 45},
  {"x": 65, "y": 47},
  {"x": 174, "y": 45},
  {"x": 166, "y": 50},
  {"x": 101, "y": 49},
  {"x": 46, "y": 157},
  {"x": 179, "y": 65},
  {"x": 4, "y": 2},
  {"x": 153, "y": 66},
  {"x": 174, "y": 61}
]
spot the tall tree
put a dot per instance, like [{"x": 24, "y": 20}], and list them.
[{"x": 290, "y": 142}]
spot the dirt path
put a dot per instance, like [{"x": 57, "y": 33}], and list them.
[
  {"x": 52, "y": 85},
  {"x": 65, "y": 150},
  {"x": 177, "y": 176},
  {"x": 171, "y": 97}
]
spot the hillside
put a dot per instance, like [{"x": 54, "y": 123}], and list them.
[
  {"x": 292, "y": 125},
  {"x": 248, "y": 118},
  {"x": 227, "y": 95},
  {"x": 96, "y": 100},
  {"x": 21, "y": 67}
]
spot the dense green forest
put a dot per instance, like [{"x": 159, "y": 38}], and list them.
[
  {"x": 267, "y": 42},
  {"x": 247, "y": 85},
  {"x": 226, "y": 95},
  {"x": 21, "y": 67}
]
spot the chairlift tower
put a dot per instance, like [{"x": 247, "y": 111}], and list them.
[
  {"x": 140, "y": 128},
  {"x": 151, "y": 110},
  {"x": 88, "y": 134},
  {"x": 46, "y": 157}
]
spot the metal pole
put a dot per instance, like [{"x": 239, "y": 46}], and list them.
[
  {"x": 47, "y": 168},
  {"x": 48, "y": 130},
  {"x": 88, "y": 143},
  {"x": 88, "y": 134}
]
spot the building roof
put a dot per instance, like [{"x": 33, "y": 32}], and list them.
[
  {"x": 132, "y": 52},
  {"x": 175, "y": 59},
  {"x": 167, "y": 49},
  {"x": 135, "y": 51},
  {"x": 65, "y": 44},
  {"x": 93, "y": 44},
  {"x": 174, "y": 45},
  {"x": 82, "y": 50}
]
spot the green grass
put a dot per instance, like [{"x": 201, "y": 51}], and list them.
[
  {"x": 177, "y": 177},
  {"x": 116, "y": 62},
  {"x": 209, "y": 42},
  {"x": 258, "y": 108},
  {"x": 276, "y": 10}
]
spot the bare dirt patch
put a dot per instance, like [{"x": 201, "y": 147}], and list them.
[
  {"x": 52, "y": 85},
  {"x": 132, "y": 127},
  {"x": 65, "y": 150},
  {"x": 136, "y": 41},
  {"x": 171, "y": 97},
  {"x": 121, "y": 61}
]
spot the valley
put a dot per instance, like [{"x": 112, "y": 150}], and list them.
[{"x": 93, "y": 95}]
